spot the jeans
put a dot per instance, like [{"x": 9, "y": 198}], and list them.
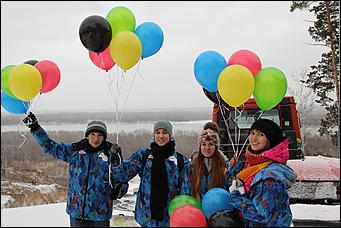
[{"x": 74, "y": 222}]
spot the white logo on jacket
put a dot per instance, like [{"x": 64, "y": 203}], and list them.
[
  {"x": 173, "y": 159},
  {"x": 103, "y": 156}
]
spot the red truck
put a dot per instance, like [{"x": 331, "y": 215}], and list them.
[
  {"x": 318, "y": 178},
  {"x": 239, "y": 123}
]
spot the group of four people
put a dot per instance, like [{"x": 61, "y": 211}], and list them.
[{"x": 98, "y": 174}]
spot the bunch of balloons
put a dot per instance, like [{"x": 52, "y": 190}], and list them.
[
  {"x": 115, "y": 40},
  {"x": 185, "y": 211},
  {"x": 238, "y": 78},
  {"x": 21, "y": 83}
]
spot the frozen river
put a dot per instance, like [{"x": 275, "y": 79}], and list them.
[{"x": 113, "y": 127}]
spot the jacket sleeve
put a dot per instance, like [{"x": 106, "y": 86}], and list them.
[
  {"x": 130, "y": 167},
  {"x": 231, "y": 173},
  {"x": 265, "y": 203},
  {"x": 185, "y": 185},
  {"x": 58, "y": 150}
]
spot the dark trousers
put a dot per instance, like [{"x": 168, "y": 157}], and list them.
[{"x": 86, "y": 223}]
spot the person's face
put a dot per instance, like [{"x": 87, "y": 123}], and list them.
[
  {"x": 258, "y": 140},
  {"x": 161, "y": 136},
  {"x": 207, "y": 148},
  {"x": 95, "y": 139}
]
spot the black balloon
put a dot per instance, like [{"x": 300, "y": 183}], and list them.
[
  {"x": 95, "y": 33},
  {"x": 31, "y": 62},
  {"x": 224, "y": 219},
  {"x": 213, "y": 97}
]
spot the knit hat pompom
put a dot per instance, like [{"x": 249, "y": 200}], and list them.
[
  {"x": 211, "y": 125},
  {"x": 209, "y": 135},
  {"x": 270, "y": 129}
]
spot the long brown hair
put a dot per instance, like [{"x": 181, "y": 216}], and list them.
[{"x": 217, "y": 172}]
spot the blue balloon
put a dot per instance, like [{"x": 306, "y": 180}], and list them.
[
  {"x": 151, "y": 37},
  {"x": 13, "y": 105},
  {"x": 207, "y": 68},
  {"x": 216, "y": 199}
]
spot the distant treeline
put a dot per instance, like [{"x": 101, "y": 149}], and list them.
[
  {"x": 30, "y": 156},
  {"x": 84, "y": 117}
]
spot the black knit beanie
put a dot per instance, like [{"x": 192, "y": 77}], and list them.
[
  {"x": 271, "y": 130},
  {"x": 96, "y": 126}
]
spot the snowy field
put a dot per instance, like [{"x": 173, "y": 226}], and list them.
[{"x": 54, "y": 215}]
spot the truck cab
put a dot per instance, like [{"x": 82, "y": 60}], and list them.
[
  {"x": 234, "y": 125},
  {"x": 318, "y": 178}
]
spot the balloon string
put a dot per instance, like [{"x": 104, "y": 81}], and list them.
[
  {"x": 247, "y": 138},
  {"x": 236, "y": 122},
  {"x": 131, "y": 85},
  {"x": 138, "y": 70},
  {"x": 226, "y": 125},
  {"x": 102, "y": 60},
  {"x": 20, "y": 130},
  {"x": 114, "y": 95}
]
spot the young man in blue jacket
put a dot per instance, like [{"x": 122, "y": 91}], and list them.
[{"x": 92, "y": 187}]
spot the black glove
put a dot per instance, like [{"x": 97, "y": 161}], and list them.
[
  {"x": 31, "y": 121},
  {"x": 119, "y": 191},
  {"x": 80, "y": 145},
  {"x": 113, "y": 150}
]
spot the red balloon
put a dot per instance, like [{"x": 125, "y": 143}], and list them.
[
  {"x": 103, "y": 59},
  {"x": 187, "y": 216},
  {"x": 50, "y": 75},
  {"x": 247, "y": 59}
]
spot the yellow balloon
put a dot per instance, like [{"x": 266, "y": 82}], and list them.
[
  {"x": 25, "y": 81},
  {"x": 125, "y": 49},
  {"x": 235, "y": 85}
]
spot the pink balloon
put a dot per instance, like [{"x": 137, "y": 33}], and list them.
[
  {"x": 50, "y": 75},
  {"x": 103, "y": 59},
  {"x": 187, "y": 216},
  {"x": 247, "y": 59}
]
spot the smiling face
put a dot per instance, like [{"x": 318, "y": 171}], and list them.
[
  {"x": 207, "y": 148},
  {"x": 258, "y": 140},
  {"x": 95, "y": 139},
  {"x": 161, "y": 136}
]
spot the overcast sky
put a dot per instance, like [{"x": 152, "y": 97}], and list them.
[{"x": 50, "y": 31}]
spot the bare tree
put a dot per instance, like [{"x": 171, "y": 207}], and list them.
[{"x": 305, "y": 100}]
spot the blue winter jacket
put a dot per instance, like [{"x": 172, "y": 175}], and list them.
[
  {"x": 89, "y": 189},
  {"x": 132, "y": 166},
  {"x": 267, "y": 201},
  {"x": 205, "y": 179}
]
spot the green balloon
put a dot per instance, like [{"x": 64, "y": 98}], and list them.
[
  {"x": 182, "y": 200},
  {"x": 4, "y": 80},
  {"x": 270, "y": 87},
  {"x": 121, "y": 19}
]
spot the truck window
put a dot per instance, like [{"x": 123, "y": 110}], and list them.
[{"x": 248, "y": 116}]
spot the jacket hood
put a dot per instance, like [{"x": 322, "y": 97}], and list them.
[{"x": 279, "y": 153}]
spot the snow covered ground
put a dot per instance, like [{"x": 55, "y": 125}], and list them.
[{"x": 54, "y": 215}]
